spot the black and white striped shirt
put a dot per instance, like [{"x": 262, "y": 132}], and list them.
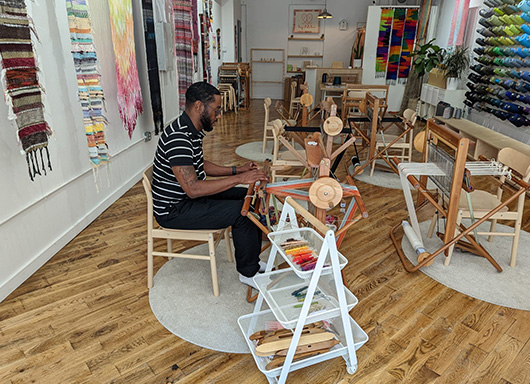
[{"x": 179, "y": 144}]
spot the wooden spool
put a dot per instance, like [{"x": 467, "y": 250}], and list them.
[
  {"x": 333, "y": 125},
  {"x": 325, "y": 193},
  {"x": 306, "y": 100}
]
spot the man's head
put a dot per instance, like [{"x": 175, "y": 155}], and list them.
[{"x": 203, "y": 105}]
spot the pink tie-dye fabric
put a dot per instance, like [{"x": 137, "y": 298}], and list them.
[{"x": 129, "y": 93}]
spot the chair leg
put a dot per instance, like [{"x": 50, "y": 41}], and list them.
[
  {"x": 451, "y": 248},
  {"x": 433, "y": 225},
  {"x": 213, "y": 266},
  {"x": 149, "y": 261},
  {"x": 229, "y": 253},
  {"x": 264, "y": 140},
  {"x": 492, "y": 229},
  {"x": 515, "y": 244},
  {"x": 372, "y": 166},
  {"x": 169, "y": 247}
]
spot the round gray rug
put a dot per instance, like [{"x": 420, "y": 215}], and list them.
[
  {"x": 183, "y": 302},
  {"x": 474, "y": 275},
  {"x": 252, "y": 151},
  {"x": 381, "y": 178}
]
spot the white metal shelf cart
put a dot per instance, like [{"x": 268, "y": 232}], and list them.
[{"x": 324, "y": 286}]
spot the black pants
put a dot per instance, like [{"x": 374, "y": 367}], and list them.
[{"x": 220, "y": 211}]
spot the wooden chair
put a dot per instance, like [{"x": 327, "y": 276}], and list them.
[
  {"x": 157, "y": 232},
  {"x": 354, "y": 94},
  {"x": 267, "y": 126},
  {"x": 403, "y": 145},
  {"x": 284, "y": 159},
  {"x": 295, "y": 101},
  {"x": 482, "y": 202}
]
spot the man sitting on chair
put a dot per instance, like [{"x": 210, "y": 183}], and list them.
[{"x": 184, "y": 199}]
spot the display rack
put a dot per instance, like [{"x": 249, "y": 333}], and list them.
[
  {"x": 296, "y": 57},
  {"x": 267, "y": 69},
  {"x": 324, "y": 286}
]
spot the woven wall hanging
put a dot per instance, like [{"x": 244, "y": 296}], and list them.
[
  {"x": 152, "y": 65},
  {"x": 89, "y": 90},
  {"x": 398, "y": 24},
  {"x": 407, "y": 46},
  {"x": 183, "y": 47},
  {"x": 129, "y": 93},
  {"x": 383, "y": 41},
  {"x": 23, "y": 92}
]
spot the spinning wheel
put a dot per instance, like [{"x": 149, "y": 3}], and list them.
[{"x": 325, "y": 193}]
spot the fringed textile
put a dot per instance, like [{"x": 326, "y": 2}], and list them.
[
  {"x": 129, "y": 93},
  {"x": 423, "y": 20},
  {"x": 458, "y": 23},
  {"x": 183, "y": 47},
  {"x": 152, "y": 65},
  {"x": 23, "y": 92},
  {"x": 407, "y": 46},
  {"x": 383, "y": 41},
  {"x": 398, "y": 24},
  {"x": 195, "y": 26},
  {"x": 206, "y": 69},
  {"x": 89, "y": 90}
]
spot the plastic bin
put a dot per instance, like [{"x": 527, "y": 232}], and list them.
[
  {"x": 256, "y": 322},
  {"x": 315, "y": 243},
  {"x": 277, "y": 288}
]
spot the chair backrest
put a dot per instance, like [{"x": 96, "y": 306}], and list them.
[
  {"x": 147, "y": 178},
  {"x": 293, "y": 89},
  {"x": 276, "y": 132},
  {"x": 356, "y": 94},
  {"x": 410, "y": 116},
  {"x": 516, "y": 160},
  {"x": 266, "y": 104}
]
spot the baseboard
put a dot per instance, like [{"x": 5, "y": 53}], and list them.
[{"x": 30, "y": 268}]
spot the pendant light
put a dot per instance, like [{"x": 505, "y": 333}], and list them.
[{"x": 325, "y": 14}]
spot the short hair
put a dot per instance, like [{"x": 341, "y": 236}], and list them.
[{"x": 201, "y": 91}]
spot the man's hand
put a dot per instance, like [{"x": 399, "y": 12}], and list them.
[
  {"x": 251, "y": 176},
  {"x": 248, "y": 167}
]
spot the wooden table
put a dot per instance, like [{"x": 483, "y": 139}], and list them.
[{"x": 488, "y": 142}]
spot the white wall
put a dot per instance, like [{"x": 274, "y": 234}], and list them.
[
  {"x": 268, "y": 26},
  {"x": 38, "y": 218}
]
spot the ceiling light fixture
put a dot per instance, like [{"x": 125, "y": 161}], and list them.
[{"x": 325, "y": 14}]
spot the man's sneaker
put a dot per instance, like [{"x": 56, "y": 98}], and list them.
[{"x": 248, "y": 281}]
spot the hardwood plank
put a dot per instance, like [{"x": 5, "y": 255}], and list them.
[
  {"x": 493, "y": 367},
  {"x": 86, "y": 312}
]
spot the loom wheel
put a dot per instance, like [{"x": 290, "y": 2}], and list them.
[
  {"x": 422, "y": 256},
  {"x": 306, "y": 100},
  {"x": 325, "y": 193},
  {"x": 333, "y": 125}
]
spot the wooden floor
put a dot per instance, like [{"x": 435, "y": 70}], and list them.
[{"x": 84, "y": 317}]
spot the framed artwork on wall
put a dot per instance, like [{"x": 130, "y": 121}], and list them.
[{"x": 306, "y": 21}]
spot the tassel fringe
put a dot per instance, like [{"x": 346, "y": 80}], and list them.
[{"x": 34, "y": 166}]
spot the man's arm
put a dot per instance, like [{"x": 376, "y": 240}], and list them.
[
  {"x": 195, "y": 188},
  {"x": 213, "y": 169}
]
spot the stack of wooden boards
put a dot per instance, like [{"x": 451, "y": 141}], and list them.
[{"x": 316, "y": 339}]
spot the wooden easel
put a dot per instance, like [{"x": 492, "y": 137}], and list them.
[{"x": 410, "y": 171}]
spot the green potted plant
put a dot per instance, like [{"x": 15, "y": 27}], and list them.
[
  {"x": 427, "y": 57},
  {"x": 455, "y": 63},
  {"x": 358, "y": 48}
]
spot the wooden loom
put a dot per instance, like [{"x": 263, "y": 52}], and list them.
[
  {"x": 374, "y": 109},
  {"x": 456, "y": 175}
]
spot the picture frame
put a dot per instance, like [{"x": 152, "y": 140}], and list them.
[{"x": 306, "y": 21}]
